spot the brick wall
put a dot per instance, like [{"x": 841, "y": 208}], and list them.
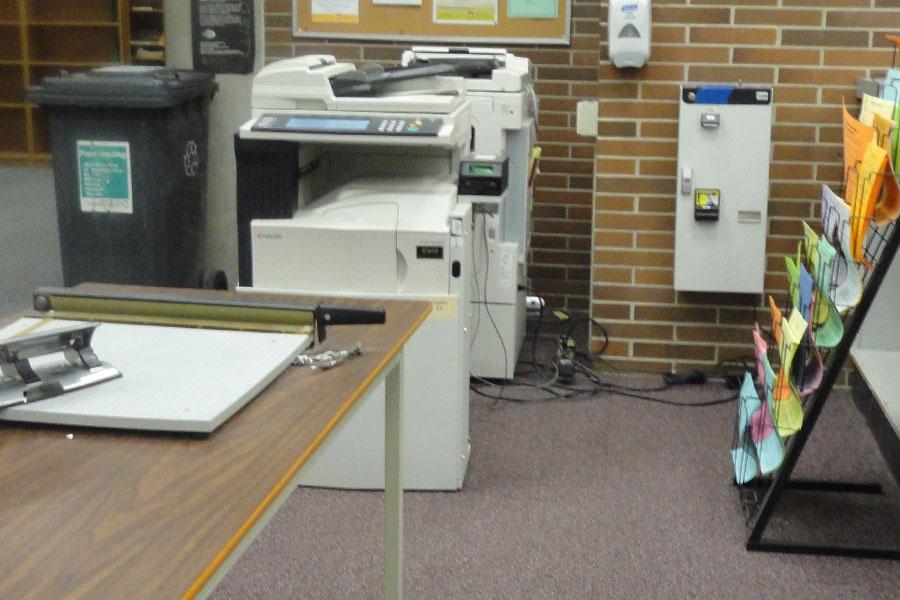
[
  {"x": 604, "y": 212},
  {"x": 811, "y": 51}
]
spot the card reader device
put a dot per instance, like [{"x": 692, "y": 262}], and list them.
[{"x": 483, "y": 175}]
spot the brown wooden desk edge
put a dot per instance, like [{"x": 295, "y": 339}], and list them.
[
  {"x": 236, "y": 539},
  {"x": 390, "y": 355}
]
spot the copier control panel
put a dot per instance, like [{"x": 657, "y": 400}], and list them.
[{"x": 348, "y": 124}]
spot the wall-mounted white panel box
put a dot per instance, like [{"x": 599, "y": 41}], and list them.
[{"x": 722, "y": 196}]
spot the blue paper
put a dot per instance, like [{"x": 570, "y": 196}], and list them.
[
  {"x": 891, "y": 89},
  {"x": 806, "y": 284}
]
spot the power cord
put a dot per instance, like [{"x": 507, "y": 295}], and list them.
[{"x": 561, "y": 385}]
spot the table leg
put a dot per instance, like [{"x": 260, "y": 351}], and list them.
[{"x": 393, "y": 482}]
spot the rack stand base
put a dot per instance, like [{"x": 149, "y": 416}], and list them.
[{"x": 837, "y": 487}]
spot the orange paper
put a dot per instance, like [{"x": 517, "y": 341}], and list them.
[
  {"x": 857, "y": 137},
  {"x": 862, "y": 209},
  {"x": 776, "y": 320},
  {"x": 888, "y": 207}
]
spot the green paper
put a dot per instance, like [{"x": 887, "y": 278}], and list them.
[
  {"x": 828, "y": 325},
  {"x": 532, "y": 9},
  {"x": 788, "y": 412}
]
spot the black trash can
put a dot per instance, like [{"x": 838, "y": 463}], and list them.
[{"x": 130, "y": 163}]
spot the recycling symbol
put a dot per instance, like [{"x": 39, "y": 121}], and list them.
[{"x": 191, "y": 158}]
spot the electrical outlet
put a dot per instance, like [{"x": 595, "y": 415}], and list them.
[{"x": 534, "y": 303}]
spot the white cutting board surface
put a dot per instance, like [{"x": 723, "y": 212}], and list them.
[{"x": 173, "y": 378}]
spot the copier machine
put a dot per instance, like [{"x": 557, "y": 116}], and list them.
[
  {"x": 504, "y": 124},
  {"x": 347, "y": 186}
]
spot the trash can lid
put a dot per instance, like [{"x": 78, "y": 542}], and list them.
[{"x": 127, "y": 86}]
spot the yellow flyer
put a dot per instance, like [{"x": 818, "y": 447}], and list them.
[
  {"x": 465, "y": 12},
  {"x": 873, "y": 105},
  {"x": 883, "y": 127}
]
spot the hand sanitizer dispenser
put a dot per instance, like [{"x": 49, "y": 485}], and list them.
[{"x": 629, "y": 32}]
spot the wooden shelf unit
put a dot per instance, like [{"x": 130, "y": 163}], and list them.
[
  {"x": 148, "y": 39},
  {"x": 39, "y": 38}
]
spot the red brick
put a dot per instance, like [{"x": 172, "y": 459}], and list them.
[
  {"x": 776, "y": 16},
  {"x": 753, "y": 36},
  {"x": 700, "y": 73}
]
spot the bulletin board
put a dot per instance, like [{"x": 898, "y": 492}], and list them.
[{"x": 451, "y": 21}]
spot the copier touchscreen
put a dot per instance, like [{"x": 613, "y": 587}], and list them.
[{"x": 307, "y": 124}]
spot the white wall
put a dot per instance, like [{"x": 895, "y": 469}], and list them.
[{"x": 229, "y": 108}]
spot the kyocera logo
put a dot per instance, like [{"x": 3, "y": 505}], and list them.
[
  {"x": 627, "y": 8},
  {"x": 268, "y": 236}
]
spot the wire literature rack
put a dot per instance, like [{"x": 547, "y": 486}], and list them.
[{"x": 833, "y": 282}]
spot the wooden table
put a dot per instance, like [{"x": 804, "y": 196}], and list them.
[{"x": 119, "y": 514}]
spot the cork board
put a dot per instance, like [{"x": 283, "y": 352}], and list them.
[{"x": 415, "y": 20}]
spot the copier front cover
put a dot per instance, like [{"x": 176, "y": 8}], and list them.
[{"x": 371, "y": 235}]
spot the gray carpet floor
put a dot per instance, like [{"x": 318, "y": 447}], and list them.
[{"x": 606, "y": 498}]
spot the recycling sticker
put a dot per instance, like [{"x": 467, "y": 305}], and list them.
[{"x": 104, "y": 176}]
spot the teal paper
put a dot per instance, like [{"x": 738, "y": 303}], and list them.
[
  {"x": 532, "y": 9},
  {"x": 744, "y": 456}
]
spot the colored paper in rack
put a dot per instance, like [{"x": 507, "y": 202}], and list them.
[
  {"x": 887, "y": 208},
  {"x": 763, "y": 366},
  {"x": 776, "y": 320},
  {"x": 883, "y": 126},
  {"x": 761, "y": 349},
  {"x": 788, "y": 410},
  {"x": 895, "y": 136},
  {"x": 891, "y": 91},
  {"x": 836, "y": 225},
  {"x": 744, "y": 456},
  {"x": 857, "y": 137},
  {"x": 766, "y": 441},
  {"x": 803, "y": 304},
  {"x": 769, "y": 449},
  {"x": 870, "y": 178},
  {"x": 813, "y": 372},
  {"x": 871, "y": 106},
  {"x": 891, "y": 88},
  {"x": 800, "y": 283},
  {"x": 827, "y": 322}
]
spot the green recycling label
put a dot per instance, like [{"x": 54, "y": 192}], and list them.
[{"x": 104, "y": 176}]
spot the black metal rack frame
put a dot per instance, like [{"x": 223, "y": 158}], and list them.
[{"x": 879, "y": 251}]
